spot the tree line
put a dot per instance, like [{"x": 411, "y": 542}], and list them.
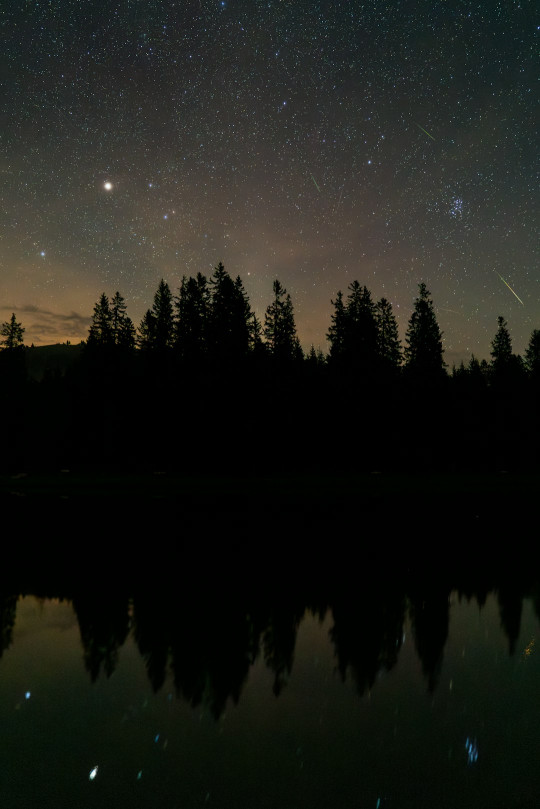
[
  {"x": 220, "y": 382},
  {"x": 211, "y": 319}
]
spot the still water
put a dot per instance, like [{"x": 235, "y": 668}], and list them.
[{"x": 376, "y": 703}]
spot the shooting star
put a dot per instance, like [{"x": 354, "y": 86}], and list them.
[
  {"x": 509, "y": 287},
  {"x": 315, "y": 181},
  {"x": 424, "y": 131},
  {"x": 339, "y": 200}
]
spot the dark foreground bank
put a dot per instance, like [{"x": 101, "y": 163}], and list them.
[{"x": 269, "y": 531}]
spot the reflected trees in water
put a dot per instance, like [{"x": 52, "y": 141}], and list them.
[
  {"x": 207, "y": 645},
  {"x": 104, "y": 626}
]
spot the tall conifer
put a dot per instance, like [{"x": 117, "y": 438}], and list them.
[
  {"x": 501, "y": 346},
  {"x": 337, "y": 333},
  {"x": 12, "y": 334},
  {"x": 280, "y": 328},
  {"x": 532, "y": 355},
  {"x": 100, "y": 334},
  {"x": 388, "y": 342},
  {"x": 361, "y": 328},
  {"x": 191, "y": 321},
  {"x": 424, "y": 348}
]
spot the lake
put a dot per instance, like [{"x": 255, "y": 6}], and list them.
[{"x": 413, "y": 694}]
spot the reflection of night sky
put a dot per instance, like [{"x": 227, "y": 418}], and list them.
[
  {"x": 314, "y": 142},
  {"x": 474, "y": 739}
]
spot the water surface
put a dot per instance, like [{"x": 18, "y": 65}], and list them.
[{"x": 404, "y": 700}]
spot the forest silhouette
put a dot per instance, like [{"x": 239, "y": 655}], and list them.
[{"x": 201, "y": 386}]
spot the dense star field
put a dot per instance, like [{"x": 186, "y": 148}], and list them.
[{"x": 314, "y": 142}]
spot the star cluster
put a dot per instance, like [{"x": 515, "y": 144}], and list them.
[{"x": 315, "y": 142}]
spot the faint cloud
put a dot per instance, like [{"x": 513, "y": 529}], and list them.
[{"x": 42, "y": 326}]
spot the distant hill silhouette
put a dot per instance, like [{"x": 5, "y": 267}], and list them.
[{"x": 55, "y": 359}]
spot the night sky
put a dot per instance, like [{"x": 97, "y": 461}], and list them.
[{"x": 316, "y": 142}]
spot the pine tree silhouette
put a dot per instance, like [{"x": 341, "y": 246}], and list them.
[
  {"x": 12, "y": 333},
  {"x": 361, "y": 330},
  {"x": 123, "y": 330},
  {"x": 337, "y": 333},
  {"x": 12, "y": 364},
  {"x": 501, "y": 346},
  {"x": 100, "y": 334},
  {"x": 145, "y": 337},
  {"x": 532, "y": 355},
  {"x": 191, "y": 320},
  {"x": 424, "y": 349},
  {"x": 157, "y": 328},
  {"x": 162, "y": 310},
  {"x": 507, "y": 369},
  {"x": 230, "y": 318},
  {"x": 279, "y": 327},
  {"x": 388, "y": 342}
]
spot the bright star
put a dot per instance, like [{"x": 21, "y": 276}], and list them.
[{"x": 108, "y": 186}]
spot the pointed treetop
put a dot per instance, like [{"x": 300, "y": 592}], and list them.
[
  {"x": 424, "y": 349},
  {"x": 501, "y": 345},
  {"x": 163, "y": 320},
  {"x": 100, "y": 333},
  {"x": 279, "y": 326},
  {"x": 389, "y": 344}
]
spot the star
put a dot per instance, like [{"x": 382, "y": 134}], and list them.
[{"x": 409, "y": 157}]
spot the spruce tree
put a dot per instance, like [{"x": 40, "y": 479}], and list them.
[
  {"x": 256, "y": 343},
  {"x": 507, "y": 369},
  {"x": 100, "y": 334},
  {"x": 315, "y": 357},
  {"x": 388, "y": 342},
  {"x": 532, "y": 355},
  {"x": 280, "y": 328},
  {"x": 12, "y": 334},
  {"x": 123, "y": 331},
  {"x": 424, "y": 349},
  {"x": 230, "y": 317},
  {"x": 478, "y": 372},
  {"x": 501, "y": 346},
  {"x": 12, "y": 369},
  {"x": 162, "y": 310},
  {"x": 247, "y": 316},
  {"x": 337, "y": 333},
  {"x": 191, "y": 321},
  {"x": 361, "y": 346},
  {"x": 145, "y": 338},
  {"x": 157, "y": 328}
]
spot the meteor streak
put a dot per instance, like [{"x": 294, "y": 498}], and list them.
[
  {"x": 424, "y": 131},
  {"x": 315, "y": 181},
  {"x": 509, "y": 287}
]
